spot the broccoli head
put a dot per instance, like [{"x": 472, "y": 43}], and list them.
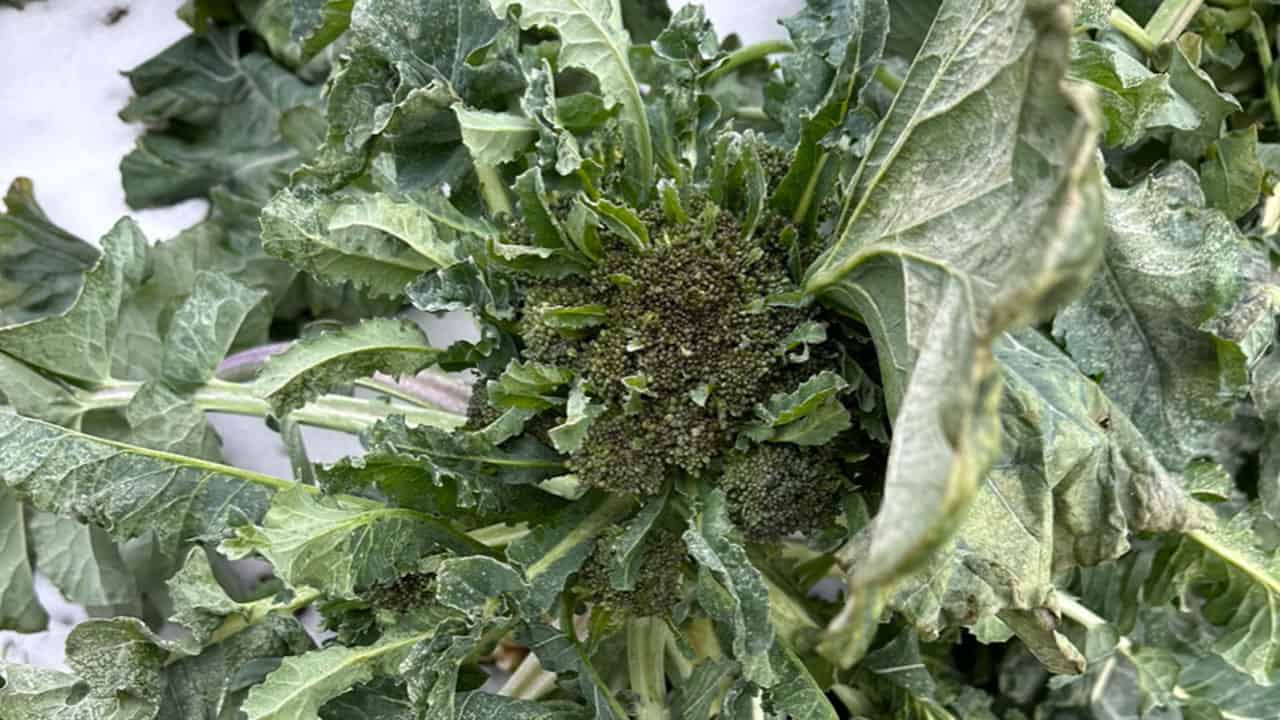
[
  {"x": 686, "y": 344},
  {"x": 658, "y": 582},
  {"x": 775, "y": 490}
]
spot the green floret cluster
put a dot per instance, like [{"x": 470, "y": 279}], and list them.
[
  {"x": 776, "y": 490},
  {"x": 658, "y": 581},
  {"x": 687, "y": 344}
]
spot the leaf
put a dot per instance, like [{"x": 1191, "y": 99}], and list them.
[
  {"x": 745, "y": 609},
  {"x": 627, "y": 552},
  {"x": 551, "y": 552},
  {"x": 35, "y": 395},
  {"x": 77, "y": 342},
  {"x": 302, "y": 684},
  {"x": 205, "y": 326},
  {"x": 1073, "y": 483},
  {"x": 1134, "y": 100},
  {"x": 568, "y": 658},
  {"x": 1231, "y": 175},
  {"x": 592, "y": 39},
  {"x": 126, "y": 490},
  {"x": 312, "y": 366},
  {"x": 494, "y": 138},
  {"x": 797, "y": 694},
  {"x": 529, "y": 385},
  {"x": 410, "y": 222},
  {"x": 911, "y": 262},
  {"x": 19, "y": 608},
  {"x": 1190, "y": 82},
  {"x": 463, "y": 286},
  {"x": 161, "y": 419},
  {"x": 41, "y": 265},
  {"x": 83, "y": 563},
  {"x": 343, "y": 544},
  {"x": 299, "y": 226},
  {"x": 33, "y": 693},
  {"x": 219, "y": 120},
  {"x": 487, "y": 706},
  {"x": 809, "y": 415},
  {"x": 1144, "y": 324},
  {"x": 567, "y": 437},
  {"x": 317, "y": 23}
]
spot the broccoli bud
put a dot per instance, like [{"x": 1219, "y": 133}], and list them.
[
  {"x": 775, "y": 490},
  {"x": 658, "y": 583}
]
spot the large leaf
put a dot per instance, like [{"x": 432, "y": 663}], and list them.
[
  {"x": 313, "y": 365},
  {"x": 77, "y": 342},
  {"x": 592, "y": 39},
  {"x": 205, "y": 326},
  {"x": 1134, "y": 100},
  {"x": 19, "y": 608},
  {"x": 1145, "y": 327},
  {"x": 226, "y": 119},
  {"x": 1003, "y": 230},
  {"x": 343, "y": 544},
  {"x": 41, "y": 265},
  {"x": 128, "y": 491}
]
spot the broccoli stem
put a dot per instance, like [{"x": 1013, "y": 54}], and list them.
[
  {"x": 333, "y": 412},
  {"x": 646, "y": 665},
  {"x": 493, "y": 191},
  {"x": 1127, "y": 26},
  {"x": 530, "y": 681},
  {"x": 744, "y": 55},
  {"x": 1170, "y": 19}
]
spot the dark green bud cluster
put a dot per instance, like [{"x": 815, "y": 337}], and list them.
[
  {"x": 479, "y": 412},
  {"x": 686, "y": 348},
  {"x": 405, "y": 593},
  {"x": 658, "y": 582},
  {"x": 775, "y": 490}
]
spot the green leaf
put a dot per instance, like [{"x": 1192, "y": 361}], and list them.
[
  {"x": 302, "y": 684},
  {"x": 320, "y": 235},
  {"x": 567, "y": 437},
  {"x": 529, "y": 385},
  {"x": 317, "y": 23},
  {"x": 77, "y": 342},
  {"x": 809, "y": 415},
  {"x": 463, "y": 286},
  {"x": 1073, "y": 483},
  {"x": 494, "y": 138},
  {"x": 34, "y": 395},
  {"x": 41, "y": 265},
  {"x": 568, "y": 658},
  {"x": 128, "y": 491},
  {"x": 486, "y": 706},
  {"x": 343, "y": 544},
  {"x": 1231, "y": 175},
  {"x": 19, "y": 608},
  {"x": 934, "y": 286},
  {"x": 797, "y": 693},
  {"x": 312, "y": 366},
  {"x": 161, "y": 419},
  {"x": 1190, "y": 82},
  {"x": 592, "y": 39},
  {"x": 1135, "y": 101},
  {"x": 219, "y": 120},
  {"x": 627, "y": 552},
  {"x": 33, "y": 693},
  {"x": 412, "y": 223},
  {"x": 1094, "y": 13},
  {"x": 745, "y": 609},
  {"x": 205, "y": 326},
  {"x": 83, "y": 563},
  {"x": 1145, "y": 324},
  {"x": 550, "y": 553}
]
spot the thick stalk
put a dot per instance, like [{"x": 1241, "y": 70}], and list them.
[
  {"x": 530, "y": 681},
  {"x": 1123, "y": 23},
  {"x": 646, "y": 666},
  {"x": 334, "y": 412},
  {"x": 1170, "y": 19},
  {"x": 1258, "y": 31},
  {"x": 493, "y": 191},
  {"x": 744, "y": 55},
  {"x": 888, "y": 78}
]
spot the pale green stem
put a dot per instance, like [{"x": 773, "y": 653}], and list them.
[
  {"x": 888, "y": 78},
  {"x": 751, "y": 113},
  {"x": 646, "y": 640},
  {"x": 499, "y": 535},
  {"x": 334, "y": 412},
  {"x": 1127, "y": 26},
  {"x": 493, "y": 190},
  {"x": 530, "y": 681},
  {"x": 744, "y": 55},
  {"x": 1170, "y": 19},
  {"x": 1258, "y": 30}
]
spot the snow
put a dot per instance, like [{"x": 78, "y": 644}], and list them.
[{"x": 60, "y": 90}]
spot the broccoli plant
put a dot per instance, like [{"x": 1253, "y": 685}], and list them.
[{"x": 919, "y": 365}]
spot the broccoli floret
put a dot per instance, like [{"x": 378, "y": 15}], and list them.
[
  {"x": 687, "y": 328},
  {"x": 775, "y": 490},
  {"x": 659, "y": 580},
  {"x": 404, "y": 593},
  {"x": 479, "y": 412}
]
